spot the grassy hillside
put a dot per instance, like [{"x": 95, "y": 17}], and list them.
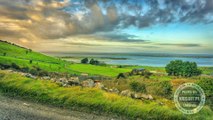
[
  {"x": 10, "y": 53},
  {"x": 90, "y": 99}
]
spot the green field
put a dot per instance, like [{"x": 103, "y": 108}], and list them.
[{"x": 18, "y": 55}]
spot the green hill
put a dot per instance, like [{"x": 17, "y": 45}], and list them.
[{"x": 11, "y": 53}]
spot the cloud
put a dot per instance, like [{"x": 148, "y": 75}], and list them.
[
  {"x": 27, "y": 21},
  {"x": 179, "y": 45}
]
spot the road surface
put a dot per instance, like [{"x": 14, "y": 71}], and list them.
[{"x": 14, "y": 109}]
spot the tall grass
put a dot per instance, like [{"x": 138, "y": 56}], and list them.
[{"x": 89, "y": 99}]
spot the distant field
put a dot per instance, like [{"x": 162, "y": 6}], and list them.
[{"x": 22, "y": 56}]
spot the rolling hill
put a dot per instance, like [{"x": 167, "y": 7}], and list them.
[{"x": 11, "y": 53}]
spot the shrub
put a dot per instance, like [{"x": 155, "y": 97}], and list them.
[
  {"x": 164, "y": 89},
  {"x": 85, "y": 61},
  {"x": 31, "y": 61},
  {"x": 4, "y": 54},
  {"x": 4, "y": 66},
  {"x": 138, "y": 87},
  {"x": 33, "y": 72},
  {"x": 13, "y": 65},
  {"x": 25, "y": 69},
  {"x": 207, "y": 85},
  {"x": 43, "y": 73}
]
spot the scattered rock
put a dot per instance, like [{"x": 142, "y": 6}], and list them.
[
  {"x": 74, "y": 81},
  {"x": 46, "y": 78},
  {"x": 30, "y": 76},
  {"x": 126, "y": 93},
  {"x": 88, "y": 83},
  {"x": 150, "y": 97}
]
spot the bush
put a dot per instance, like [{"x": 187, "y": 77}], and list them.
[
  {"x": 31, "y": 61},
  {"x": 4, "y": 54},
  {"x": 207, "y": 85},
  {"x": 25, "y": 69},
  {"x": 43, "y": 73},
  {"x": 164, "y": 89},
  {"x": 138, "y": 87},
  {"x": 180, "y": 68},
  {"x": 13, "y": 65},
  {"x": 33, "y": 72},
  {"x": 85, "y": 61},
  {"x": 4, "y": 66}
]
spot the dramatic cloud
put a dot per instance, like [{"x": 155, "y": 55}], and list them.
[{"x": 35, "y": 21}]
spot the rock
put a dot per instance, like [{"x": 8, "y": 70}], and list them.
[
  {"x": 62, "y": 79},
  {"x": 115, "y": 90},
  {"x": 161, "y": 103},
  {"x": 105, "y": 89},
  {"x": 144, "y": 96},
  {"x": 150, "y": 97},
  {"x": 84, "y": 74},
  {"x": 73, "y": 81},
  {"x": 88, "y": 83},
  {"x": 30, "y": 76},
  {"x": 46, "y": 78},
  {"x": 126, "y": 93},
  {"x": 99, "y": 85},
  {"x": 137, "y": 95}
]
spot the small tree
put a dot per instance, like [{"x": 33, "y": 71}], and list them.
[
  {"x": 4, "y": 54},
  {"x": 85, "y": 61},
  {"x": 31, "y": 61},
  {"x": 94, "y": 62}
]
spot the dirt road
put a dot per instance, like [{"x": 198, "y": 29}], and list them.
[{"x": 13, "y": 109}]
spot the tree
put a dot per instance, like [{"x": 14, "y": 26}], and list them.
[
  {"x": 85, "y": 61},
  {"x": 94, "y": 62},
  {"x": 180, "y": 68},
  {"x": 4, "y": 54},
  {"x": 31, "y": 61}
]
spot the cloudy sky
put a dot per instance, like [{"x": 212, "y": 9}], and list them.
[{"x": 176, "y": 26}]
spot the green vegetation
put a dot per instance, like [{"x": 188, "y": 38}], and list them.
[
  {"x": 138, "y": 87},
  {"x": 89, "y": 99},
  {"x": 158, "y": 84},
  {"x": 180, "y": 68},
  {"x": 206, "y": 84},
  {"x": 85, "y": 61}
]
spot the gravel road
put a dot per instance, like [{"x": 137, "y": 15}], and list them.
[{"x": 13, "y": 109}]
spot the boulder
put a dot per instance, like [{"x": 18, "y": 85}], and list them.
[
  {"x": 114, "y": 90},
  {"x": 136, "y": 95},
  {"x": 144, "y": 96},
  {"x": 126, "y": 93},
  {"x": 150, "y": 97},
  {"x": 46, "y": 78},
  {"x": 99, "y": 85},
  {"x": 88, "y": 83},
  {"x": 30, "y": 76},
  {"x": 73, "y": 81}
]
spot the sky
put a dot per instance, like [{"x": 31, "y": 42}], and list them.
[{"x": 109, "y": 26}]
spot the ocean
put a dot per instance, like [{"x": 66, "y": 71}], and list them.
[{"x": 145, "y": 59}]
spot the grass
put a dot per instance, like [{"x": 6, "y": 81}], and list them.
[
  {"x": 88, "y": 99},
  {"x": 18, "y": 55}
]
